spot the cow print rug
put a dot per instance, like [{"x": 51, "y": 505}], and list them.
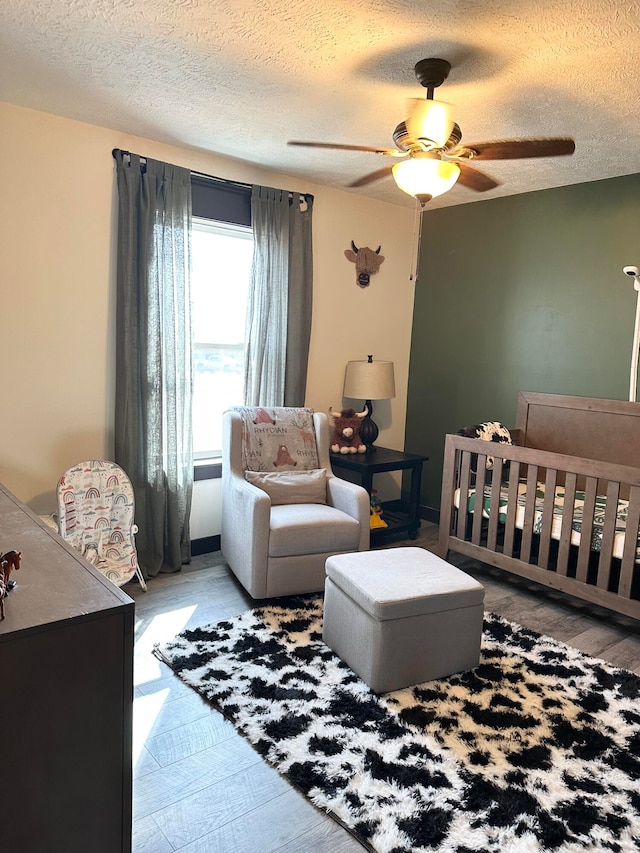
[{"x": 537, "y": 749}]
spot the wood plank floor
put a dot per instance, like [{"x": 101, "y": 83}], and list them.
[{"x": 200, "y": 788}]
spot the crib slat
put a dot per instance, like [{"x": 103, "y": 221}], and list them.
[
  {"x": 529, "y": 512},
  {"x": 463, "y": 509},
  {"x": 630, "y": 543},
  {"x": 512, "y": 506},
  {"x": 567, "y": 523},
  {"x": 494, "y": 504},
  {"x": 608, "y": 532},
  {"x": 584, "y": 550},
  {"x": 447, "y": 507},
  {"x": 481, "y": 476},
  {"x": 547, "y": 516}
]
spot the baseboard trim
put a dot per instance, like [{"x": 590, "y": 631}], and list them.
[
  {"x": 430, "y": 513},
  {"x": 206, "y": 545},
  {"x": 208, "y": 471}
]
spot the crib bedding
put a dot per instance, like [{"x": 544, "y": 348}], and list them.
[{"x": 558, "y": 509}]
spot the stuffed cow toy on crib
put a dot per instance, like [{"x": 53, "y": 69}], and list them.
[
  {"x": 488, "y": 431},
  {"x": 346, "y": 431}
]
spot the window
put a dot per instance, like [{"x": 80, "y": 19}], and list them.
[{"x": 221, "y": 265}]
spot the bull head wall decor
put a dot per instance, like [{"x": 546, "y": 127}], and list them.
[{"x": 366, "y": 260}]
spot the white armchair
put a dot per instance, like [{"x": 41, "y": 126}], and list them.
[{"x": 279, "y": 529}]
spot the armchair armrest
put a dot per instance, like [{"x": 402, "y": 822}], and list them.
[
  {"x": 250, "y": 504},
  {"x": 246, "y": 512},
  {"x": 354, "y": 501}
]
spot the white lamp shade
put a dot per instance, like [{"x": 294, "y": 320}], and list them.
[
  {"x": 425, "y": 176},
  {"x": 369, "y": 380},
  {"x": 430, "y": 121}
]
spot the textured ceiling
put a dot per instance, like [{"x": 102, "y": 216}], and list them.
[{"x": 241, "y": 77}]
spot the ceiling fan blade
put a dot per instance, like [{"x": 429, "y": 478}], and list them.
[
  {"x": 476, "y": 180},
  {"x": 514, "y": 149},
  {"x": 372, "y": 176},
  {"x": 338, "y": 146}
]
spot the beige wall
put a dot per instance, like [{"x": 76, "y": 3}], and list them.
[{"x": 57, "y": 285}]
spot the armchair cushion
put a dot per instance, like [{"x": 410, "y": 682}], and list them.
[
  {"x": 291, "y": 487},
  {"x": 311, "y": 529}
]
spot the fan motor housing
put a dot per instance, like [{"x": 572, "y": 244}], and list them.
[
  {"x": 403, "y": 141},
  {"x": 432, "y": 73}
]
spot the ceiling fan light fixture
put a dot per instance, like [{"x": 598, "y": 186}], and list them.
[
  {"x": 425, "y": 177},
  {"x": 430, "y": 121},
  {"x": 429, "y": 141}
]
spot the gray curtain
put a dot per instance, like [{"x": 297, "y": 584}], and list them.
[
  {"x": 280, "y": 298},
  {"x": 153, "y": 438}
]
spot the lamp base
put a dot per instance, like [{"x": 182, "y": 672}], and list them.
[{"x": 368, "y": 429}]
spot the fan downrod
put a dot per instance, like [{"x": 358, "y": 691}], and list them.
[{"x": 432, "y": 73}]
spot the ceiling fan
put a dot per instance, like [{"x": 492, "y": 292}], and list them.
[{"x": 430, "y": 153}]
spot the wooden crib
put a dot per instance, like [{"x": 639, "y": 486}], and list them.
[{"x": 561, "y": 506}]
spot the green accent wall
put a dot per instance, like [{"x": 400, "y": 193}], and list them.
[{"x": 520, "y": 293}]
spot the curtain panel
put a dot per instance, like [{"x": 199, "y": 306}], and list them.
[
  {"x": 280, "y": 298},
  {"x": 153, "y": 431}
]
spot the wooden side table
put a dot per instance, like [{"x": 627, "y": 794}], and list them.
[{"x": 365, "y": 465}]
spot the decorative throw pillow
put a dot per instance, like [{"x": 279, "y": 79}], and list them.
[
  {"x": 291, "y": 487},
  {"x": 278, "y": 439}
]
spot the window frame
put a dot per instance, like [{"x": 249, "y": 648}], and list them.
[{"x": 208, "y": 460}]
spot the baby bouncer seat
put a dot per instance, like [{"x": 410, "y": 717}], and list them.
[{"x": 96, "y": 517}]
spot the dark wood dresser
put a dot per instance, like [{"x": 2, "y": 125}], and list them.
[{"x": 66, "y": 697}]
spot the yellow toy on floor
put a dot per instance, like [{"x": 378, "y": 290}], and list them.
[{"x": 375, "y": 512}]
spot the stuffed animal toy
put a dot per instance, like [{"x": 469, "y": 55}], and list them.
[
  {"x": 487, "y": 431},
  {"x": 8, "y": 562},
  {"x": 346, "y": 431}
]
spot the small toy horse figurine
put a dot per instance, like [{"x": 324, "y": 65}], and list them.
[{"x": 8, "y": 562}]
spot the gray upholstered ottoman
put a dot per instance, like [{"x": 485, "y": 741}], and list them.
[{"x": 401, "y": 616}]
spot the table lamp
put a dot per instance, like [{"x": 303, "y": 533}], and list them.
[{"x": 369, "y": 380}]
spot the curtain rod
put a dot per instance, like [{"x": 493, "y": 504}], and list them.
[{"x": 213, "y": 178}]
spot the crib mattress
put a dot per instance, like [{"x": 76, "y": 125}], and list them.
[{"x": 558, "y": 509}]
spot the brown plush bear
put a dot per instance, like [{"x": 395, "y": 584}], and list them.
[{"x": 346, "y": 431}]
